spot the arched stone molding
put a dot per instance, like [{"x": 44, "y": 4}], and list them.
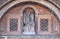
[
  {"x": 45, "y": 3},
  {"x": 36, "y": 11},
  {"x": 24, "y": 7}
]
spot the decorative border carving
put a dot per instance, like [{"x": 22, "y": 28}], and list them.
[
  {"x": 55, "y": 2},
  {"x": 4, "y": 3},
  {"x": 36, "y": 11},
  {"x": 49, "y": 24}
]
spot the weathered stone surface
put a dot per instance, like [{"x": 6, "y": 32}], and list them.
[
  {"x": 56, "y": 2},
  {"x": 29, "y": 37},
  {"x": 3, "y": 1},
  {"x": 33, "y": 37}
]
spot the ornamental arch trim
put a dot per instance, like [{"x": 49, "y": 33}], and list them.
[{"x": 45, "y": 4}]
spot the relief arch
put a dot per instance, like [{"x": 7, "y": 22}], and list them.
[{"x": 28, "y": 21}]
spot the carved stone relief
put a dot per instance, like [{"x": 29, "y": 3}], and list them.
[
  {"x": 29, "y": 24},
  {"x": 44, "y": 24}
]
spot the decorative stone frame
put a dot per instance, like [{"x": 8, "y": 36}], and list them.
[
  {"x": 26, "y": 6},
  {"x": 36, "y": 11},
  {"x": 45, "y": 3},
  {"x": 11, "y": 16},
  {"x": 49, "y": 24}
]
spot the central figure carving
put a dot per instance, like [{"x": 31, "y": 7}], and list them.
[{"x": 29, "y": 21}]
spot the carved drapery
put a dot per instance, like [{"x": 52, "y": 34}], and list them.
[{"x": 28, "y": 22}]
